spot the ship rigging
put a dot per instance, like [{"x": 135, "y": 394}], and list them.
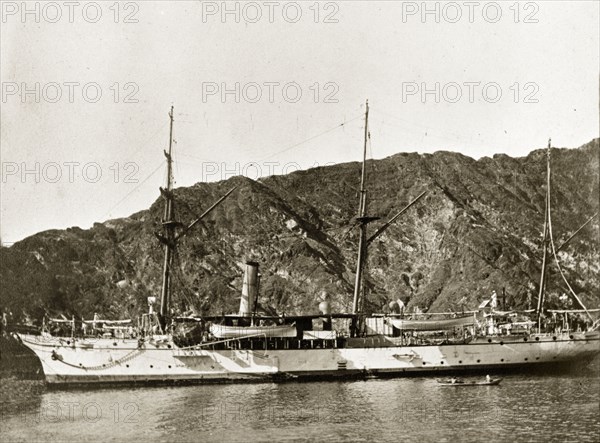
[{"x": 250, "y": 347}]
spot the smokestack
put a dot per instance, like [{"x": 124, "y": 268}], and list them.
[{"x": 249, "y": 289}]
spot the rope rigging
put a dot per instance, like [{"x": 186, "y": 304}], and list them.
[{"x": 556, "y": 257}]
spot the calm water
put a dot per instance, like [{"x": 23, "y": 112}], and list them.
[{"x": 558, "y": 407}]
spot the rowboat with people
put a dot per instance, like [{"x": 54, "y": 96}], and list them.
[{"x": 457, "y": 382}]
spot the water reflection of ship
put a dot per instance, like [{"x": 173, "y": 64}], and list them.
[{"x": 250, "y": 346}]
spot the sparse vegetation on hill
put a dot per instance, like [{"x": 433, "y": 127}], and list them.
[{"x": 477, "y": 230}]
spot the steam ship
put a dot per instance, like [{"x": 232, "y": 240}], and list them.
[{"x": 246, "y": 346}]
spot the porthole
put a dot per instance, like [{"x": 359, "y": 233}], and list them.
[
  {"x": 423, "y": 363},
  {"x": 525, "y": 358},
  {"x": 501, "y": 359},
  {"x": 571, "y": 337},
  {"x": 169, "y": 366},
  {"x": 441, "y": 363},
  {"x": 489, "y": 340},
  {"x": 126, "y": 366},
  {"x": 460, "y": 361},
  {"x": 501, "y": 343},
  {"x": 525, "y": 339},
  {"x": 151, "y": 366},
  {"x": 478, "y": 361},
  {"x": 537, "y": 339},
  {"x": 554, "y": 338}
]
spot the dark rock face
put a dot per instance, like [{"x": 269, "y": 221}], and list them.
[{"x": 478, "y": 229}]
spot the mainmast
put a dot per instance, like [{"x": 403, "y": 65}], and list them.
[
  {"x": 363, "y": 220},
  {"x": 542, "y": 289},
  {"x": 169, "y": 230},
  {"x": 363, "y": 241}
]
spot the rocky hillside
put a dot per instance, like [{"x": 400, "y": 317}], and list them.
[{"x": 478, "y": 229}]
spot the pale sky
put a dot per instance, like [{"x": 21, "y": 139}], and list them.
[{"x": 497, "y": 79}]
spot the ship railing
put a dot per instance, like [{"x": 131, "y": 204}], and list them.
[
  {"x": 269, "y": 343},
  {"x": 211, "y": 344},
  {"x": 564, "y": 333}
]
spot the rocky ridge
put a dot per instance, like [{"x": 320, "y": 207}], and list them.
[{"x": 478, "y": 229}]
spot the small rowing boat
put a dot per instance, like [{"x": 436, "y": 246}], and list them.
[{"x": 458, "y": 382}]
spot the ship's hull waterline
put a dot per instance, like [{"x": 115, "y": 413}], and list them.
[{"x": 108, "y": 361}]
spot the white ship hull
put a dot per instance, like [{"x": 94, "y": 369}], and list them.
[{"x": 122, "y": 361}]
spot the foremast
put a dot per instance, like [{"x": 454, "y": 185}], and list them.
[
  {"x": 546, "y": 239},
  {"x": 169, "y": 231},
  {"x": 170, "y": 236}
]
